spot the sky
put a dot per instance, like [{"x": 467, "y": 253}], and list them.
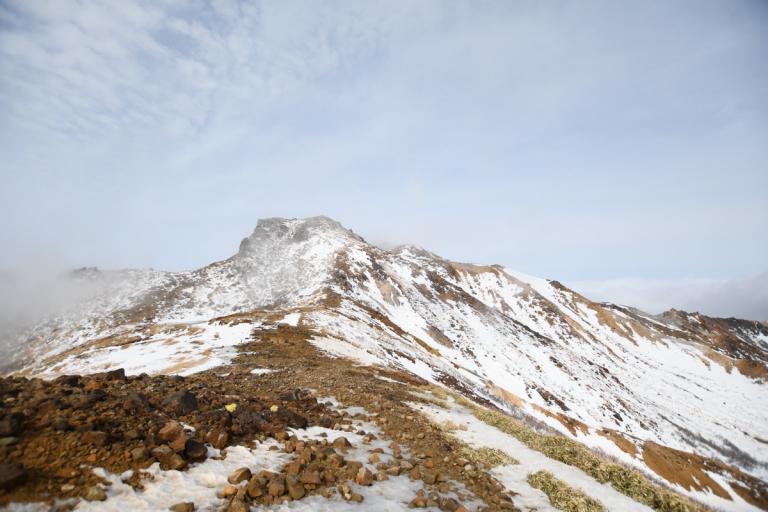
[{"x": 621, "y": 147}]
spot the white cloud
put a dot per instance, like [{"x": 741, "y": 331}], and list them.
[
  {"x": 744, "y": 298},
  {"x": 86, "y": 67}
]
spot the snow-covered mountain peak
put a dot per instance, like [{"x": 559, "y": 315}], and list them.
[
  {"x": 286, "y": 259},
  {"x": 277, "y": 230}
]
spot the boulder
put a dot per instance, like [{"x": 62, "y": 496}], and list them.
[
  {"x": 162, "y": 453},
  {"x": 341, "y": 443},
  {"x": 12, "y": 474},
  {"x": 96, "y": 396},
  {"x": 311, "y": 477},
  {"x": 179, "y": 443},
  {"x": 364, "y": 477},
  {"x": 136, "y": 402},
  {"x": 96, "y": 438},
  {"x": 238, "y": 505},
  {"x": 117, "y": 374},
  {"x": 180, "y": 403},
  {"x": 250, "y": 420},
  {"x": 217, "y": 438},
  {"x": 195, "y": 450},
  {"x": 295, "y": 488},
  {"x": 239, "y": 475},
  {"x": 292, "y": 419},
  {"x": 139, "y": 454},
  {"x": 176, "y": 462},
  {"x": 12, "y": 424},
  {"x": 170, "y": 431},
  {"x": 276, "y": 487},
  {"x": 95, "y": 493}
]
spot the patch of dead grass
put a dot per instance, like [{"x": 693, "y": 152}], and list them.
[
  {"x": 562, "y": 495},
  {"x": 629, "y": 482},
  {"x": 486, "y": 457}
]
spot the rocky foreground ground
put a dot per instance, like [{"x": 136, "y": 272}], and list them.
[{"x": 53, "y": 433}]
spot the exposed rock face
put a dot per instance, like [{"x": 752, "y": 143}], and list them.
[{"x": 600, "y": 372}]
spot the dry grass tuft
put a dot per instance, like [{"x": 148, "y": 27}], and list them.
[
  {"x": 439, "y": 392},
  {"x": 628, "y": 481},
  {"x": 450, "y": 426},
  {"x": 485, "y": 456},
  {"x": 562, "y": 495}
]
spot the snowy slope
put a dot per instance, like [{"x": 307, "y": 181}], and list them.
[{"x": 610, "y": 376}]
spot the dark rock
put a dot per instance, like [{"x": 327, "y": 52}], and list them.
[
  {"x": 291, "y": 418},
  {"x": 68, "y": 380},
  {"x": 96, "y": 438},
  {"x": 12, "y": 474},
  {"x": 140, "y": 454},
  {"x": 195, "y": 450},
  {"x": 95, "y": 396},
  {"x": 118, "y": 374},
  {"x": 250, "y": 420},
  {"x": 181, "y": 403},
  {"x": 11, "y": 424},
  {"x": 290, "y": 396},
  {"x": 136, "y": 402},
  {"x": 132, "y": 434},
  {"x": 60, "y": 424}
]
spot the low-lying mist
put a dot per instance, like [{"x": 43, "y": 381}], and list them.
[{"x": 30, "y": 295}]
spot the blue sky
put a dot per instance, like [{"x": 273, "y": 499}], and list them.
[{"x": 590, "y": 142}]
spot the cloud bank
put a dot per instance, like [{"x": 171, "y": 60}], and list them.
[{"x": 744, "y": 298}]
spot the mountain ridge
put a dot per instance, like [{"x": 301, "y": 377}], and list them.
[{"x": 608, "y": 375}]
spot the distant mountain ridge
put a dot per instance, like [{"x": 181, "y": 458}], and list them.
[{"x": 608, "y": 375}]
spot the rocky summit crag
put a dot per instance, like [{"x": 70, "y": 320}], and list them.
[{"x": 159, "y": 371}]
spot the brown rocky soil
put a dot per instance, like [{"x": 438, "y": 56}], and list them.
[{"x": 53, "y": 432}]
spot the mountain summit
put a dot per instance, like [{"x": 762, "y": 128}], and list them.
[{"x": 678, "y": 396}]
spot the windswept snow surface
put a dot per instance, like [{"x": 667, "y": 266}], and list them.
[
  {"x": 183, "y": 349},
  {"x": 477, "y": 434}
]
